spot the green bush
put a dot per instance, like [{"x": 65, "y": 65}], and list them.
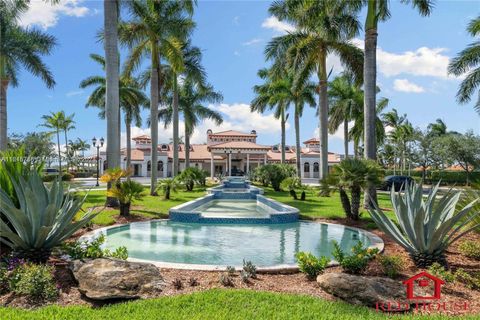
[
  {"x": 93, "y": 250},
  {"x": 311, "y": 265},
  {"x": 4, "y": 287},
  {"x": 274, "y": 174},
  {"x": 469, "y": 280},
  {"x": 391, "y": 265},
  {"x": 49, "y": 178},
  {"x": 357, "y": 262},
  {"x": 250, "y": 268},
  {"x": 437, "y": 270},
  {"x": 470, "y": 249},
  {"x": 441, "y": 176},
  {"x": 34, "y": 281},
  {"x": 67, "y": 176}
]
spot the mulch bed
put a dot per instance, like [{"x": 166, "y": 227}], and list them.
[{"x": 284, "y": 283}]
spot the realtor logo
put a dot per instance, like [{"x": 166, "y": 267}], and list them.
[{"x": 423, "y": 279}]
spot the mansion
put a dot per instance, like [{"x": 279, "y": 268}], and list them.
[{"x": 225, "y": 153}]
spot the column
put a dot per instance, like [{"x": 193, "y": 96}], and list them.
[
  {"x": 265, "y": 159},
  {"x": 311, "y": 170},
  {"x": 226, "y": 164},
  {"x": 212, "y": 165},
  {"x": 165, "y": 167},
  {"x": 248, "y": 163},
  {"x": 230, "y": 164}
]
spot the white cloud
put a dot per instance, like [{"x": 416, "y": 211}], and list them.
[
  {"x": 403, "y": 85},
  {"x": 46, "y": 15},
  {"x": 277, "y": 25},
  {"x": 252, "y": 42},
  {"x": 424, "y": 61},
  {"x": 74, "y": 93},
  {"x": 236, "y": 20},
  {"x": 236, "y": 53}
]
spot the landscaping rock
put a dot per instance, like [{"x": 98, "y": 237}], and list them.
[
  {"x": 367, "y": 291},
  {"x": 103, "y": 279}
]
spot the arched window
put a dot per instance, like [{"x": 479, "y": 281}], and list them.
[
  {"x": 315, "y": 167},
  {"x": 306, "y": 167},
  {"x": 149, "y": 166},
  {"x": 160, "y": 165}
]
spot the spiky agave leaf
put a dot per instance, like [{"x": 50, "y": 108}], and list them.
[
  {"x": 426, "y": 226},
  {"x": 44, "y": 217}
]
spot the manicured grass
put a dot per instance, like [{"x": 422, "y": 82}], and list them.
[
  {"x": 157, "y": 207},
  {"x": 320, "y": 207},
  {"x": 214, "y": 304}
]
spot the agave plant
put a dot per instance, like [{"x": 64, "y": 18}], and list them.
[
  {"x": 43, "y": 219},
  {"x": 426, "y": 226}
]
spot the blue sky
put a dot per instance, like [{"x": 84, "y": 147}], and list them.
[{"x": 413, "y": 55}]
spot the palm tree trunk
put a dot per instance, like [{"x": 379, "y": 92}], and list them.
[
  {"x": 175, "y": 126},
  {"x": 297, "y": 142},
  {"x": 356, "y": 192},
  {"x": 187, "y": 147},
  {"x": 370, "y": 84},
  {"x": 323, "y": 114},
  {"x": 66, "y": 149},
  {"x": 282, "y": 119},
  {"x": 355, "y": 148},
  {"x": 154, "y": 99},
  {"x": 345, "y": 137},
  {"x": 59, "y": 153},
  {"x": 128, "y": 129},
  {"x": 112, "y": 86},
  {"x": 3, "y": 114}
]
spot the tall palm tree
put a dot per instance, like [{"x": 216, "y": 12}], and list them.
[
  {"x": 345, "y": 99},
  {"x": 111, "y": 11},
  {"x": 437, "y": 129},
  {"x": 156, "y": 30},
  {"x": 68, "y": 124},
  {"x": 377, "y": 10},
  {"x": 323, "y": 27},
  {"x": 56, "y": 122},
  {"x": 19, "y": 48},
  {"x": 191, "y": 101},
  {"x": 467, "y": 62},
  {"x": 131, "y": 100},
  {"x": 267, "y": 97}
]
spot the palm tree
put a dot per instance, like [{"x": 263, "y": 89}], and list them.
[
  {"x": 68, "y": 124},
  {"x": 437, "y": 129},
  {"x": 467, "y": 62},
  {"x": 156, "y": 30},
  {"x": 112, "y": 103},
  {"x": 19, "y": 48},
  {"x": 191, "y": 100},
  {"x": 131, "y": 99},
  {"x": 323, "y": 27},
  {"x": 55, "y": 121},
  {"x": 268, "y": 98},
  {"x": 345, "y": 98},
  {"x": 377, "y": 10}
]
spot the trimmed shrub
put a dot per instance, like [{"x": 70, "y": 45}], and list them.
[
  {"x": 470, "y": 249},
  {"x": 274, "y": 174},
  {"x": 67, "y": 176},
  {"x": 311, "y": 265},
  {"x": 34, "y": 281},
  {"x": 391, "y": 265},
  {"x": 357, "y": 262}
]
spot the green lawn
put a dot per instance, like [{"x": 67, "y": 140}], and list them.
[
  {"x": 157, "y": 207},
  {"x": 213, "y": 304}
]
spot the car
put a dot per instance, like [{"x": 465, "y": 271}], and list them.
[
  {"x": 51, "y": 172},
  {"x": 396, "y": 182}
]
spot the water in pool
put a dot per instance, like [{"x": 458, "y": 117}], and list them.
[
  {"x": 226, "y": 244},
  {"x": 233, "y": 208}
]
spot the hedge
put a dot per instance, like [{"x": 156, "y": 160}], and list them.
[{"x": 445, "y": 177}]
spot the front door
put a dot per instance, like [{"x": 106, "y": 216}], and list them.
[{"x": 136, "y": 170}]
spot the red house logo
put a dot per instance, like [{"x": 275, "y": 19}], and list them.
[{"x": 423, "y": 279}]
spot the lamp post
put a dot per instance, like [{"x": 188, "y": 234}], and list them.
[{"x": 98, "y": 146}]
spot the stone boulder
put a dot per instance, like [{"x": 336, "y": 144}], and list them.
[
  {"x": 103, "y": 279},
  {"x": 375, "y": 292}
]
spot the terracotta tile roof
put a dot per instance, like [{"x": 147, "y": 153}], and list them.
[
  {"x": 142, "y": 137},
  {"x": 239, "y": 145},
  {"x": 277, "y": 156},
  {"x": 197, "y": 152},
  {"x": 311, "y": 140},
  {"x": 233, "y": 133}
]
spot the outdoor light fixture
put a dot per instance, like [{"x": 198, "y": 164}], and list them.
[{"x": 98, "y": 146}]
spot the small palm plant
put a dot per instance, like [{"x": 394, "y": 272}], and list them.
[
  {"x": 43, "y": 218},
  {"x": 354, "y": 174},
  {"x": 292, "y": 184},
  {"x": 426, "y": 226},
  {"x": 167, "y": 186},
  {"x": 124, "y": 191}
]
